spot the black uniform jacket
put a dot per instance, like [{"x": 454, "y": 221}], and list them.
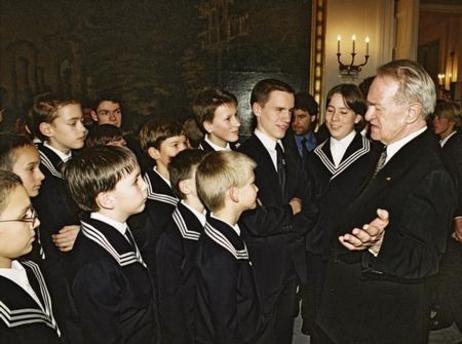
[
  {"x": 381, "y": 299},
  {"x": 226, "y": 296},
  {"x": 175, "y": 251},
  {"x": 112, "y": 287},
  {"x": 148, "y": 225},
  {"x": 274, "y": 236},
  {"x": 54, "y": 205},
  {"x": 337, "y": 186},
  {"x": 22, "y": 320}
]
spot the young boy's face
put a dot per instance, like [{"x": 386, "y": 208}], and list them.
[
  {"x": 248, "y": 193},
  {"x": 130, "y": 194},
  {"x": 26, "y": 166},
  {"x": 169, "y": 148},
  {"x": 225, "y": 125},
  {"x": 17, "y": 224},
  {"x": 67, "y": 131}
]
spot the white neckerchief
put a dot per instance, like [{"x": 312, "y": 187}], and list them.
[
  {"x": 63, "y": 156},
  {"x": 121, "y": 227},
  {"x": 394, "y": 147},
  {"x": 270, "y": 144},
  {"x": 163, "y": 178},
  {"x": 18, "y": 275},
  {"x": 339, "y": 147},
  {"x": 200, "y": 216},
  {"x": 216, "y": 147},
  {"x": 235, "y": 227},
  {"x": 443, "y": 141}
]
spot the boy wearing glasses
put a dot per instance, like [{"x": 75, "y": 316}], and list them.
[{"x": 26, "y": 311}]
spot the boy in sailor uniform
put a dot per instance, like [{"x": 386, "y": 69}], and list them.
[
  {"x": 26, "y": 312},
  {"x": 215, "y": 111},
  {"x": 161, "y": 139},
  {"x": 111, "y": 284},
  {"x": 58, "y": 123},
  {"x": 175, "y": 251},
  {"x": 227, "y": 303}
]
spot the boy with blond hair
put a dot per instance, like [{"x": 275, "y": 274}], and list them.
[
  {"x": 228, "y": 308},
  {"x": 110, "y": 281},
  {"x": 26, "y": 314}
]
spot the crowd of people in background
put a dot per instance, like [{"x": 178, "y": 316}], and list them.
[{"x": 185, "y": 232}]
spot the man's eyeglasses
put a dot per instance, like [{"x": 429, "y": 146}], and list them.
[
  {"x": 31, "y": 217},
  {"x": 109, "y": 112}
]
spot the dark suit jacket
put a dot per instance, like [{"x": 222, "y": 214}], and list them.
[
  {"x": 227, "y": 303},
  {"x": 381, "y": 299},
  {"x": 452, "y": 158},
  {"x": 175, "y": 253},
  {"x": 22, "y": 321},
  {"x": 111, "y": 287},
  {"x": 274, "y": 236}
]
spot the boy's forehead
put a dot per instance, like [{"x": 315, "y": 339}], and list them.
[
  {"x": 175, "y": 139},
  {"x": 70, "y": 111},
  {"x": 107, "y": 104},
  {"x": 17, "y": 201}
]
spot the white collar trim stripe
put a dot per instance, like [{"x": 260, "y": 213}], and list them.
[
  {"x": 221, "y": 240},
  {"x": 25, "y": 316},
  {"x": 366, "y": 147},
  {"x": 49, "y": 166},
  {"x": 122, "y": 259},
  {"x": 184, "y": 231},
  {"x": 157, "y": 196}
]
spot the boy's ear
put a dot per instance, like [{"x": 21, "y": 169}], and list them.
[
  {"x": 153, "y": 153},
  {"x": 256, "y": 109},
  {"x": 46, "y": 129},
  {"x": 185, "y": 186},
  {"x": 234, "y": 194},
  {"x": 105, "y": 200},
  {"x": 208, "y": 126},
  {"x": 93, "y": 115}
]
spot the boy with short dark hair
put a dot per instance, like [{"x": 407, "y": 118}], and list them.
[
  {"x": 104, "y": 135},
  {"x": 111, "y": 284},
  {"x": 161, "y": 139},
  {"x": 175, "y": 251},
  {"x": 228, "y": 308},
  {"x": 216, "y": 113},
  {"x": 26, "y": 312}
]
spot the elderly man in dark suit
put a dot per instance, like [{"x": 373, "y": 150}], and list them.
[{"x": 375, "y": 283}]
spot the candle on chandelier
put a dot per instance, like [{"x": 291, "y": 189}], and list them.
[
  {"x": 354, "y": 43},
  {"x": 338, "y": 43},
  {"x": 367, "y": 46}
]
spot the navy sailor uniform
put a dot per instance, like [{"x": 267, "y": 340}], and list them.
[
  {"x": 22, "y": 319},
  {"x": 175, "y": 253},
  {"x": 148, "y": 225},
  {"x": 112, "y": 287},
  {"x": 228, "y": 307},
  {"x": 56, "y": 209}
]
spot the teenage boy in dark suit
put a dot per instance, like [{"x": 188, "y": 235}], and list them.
[{"x": 284, "y": 189}]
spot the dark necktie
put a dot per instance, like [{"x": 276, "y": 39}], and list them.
[
  {"x": 281, "y": 164},
  {"x": 380, "y": 162},
  {"x": 304, "y": 149}
]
